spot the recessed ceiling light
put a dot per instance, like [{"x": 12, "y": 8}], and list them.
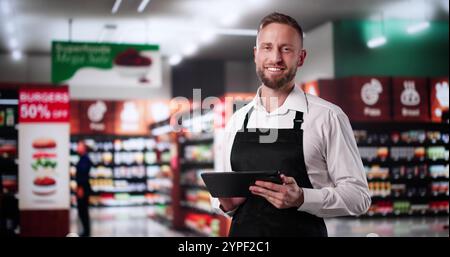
[
  {"x": 175, "y": 60},
  {"x": 418, "y": 27},
  {"x": 376, "y": 42},
  {"x": 116, "y": 6},
  {"x": 142, "y": 6}
]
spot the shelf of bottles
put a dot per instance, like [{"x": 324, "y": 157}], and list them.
[{"x": 406, "y": 167}]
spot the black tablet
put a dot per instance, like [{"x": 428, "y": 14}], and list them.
[{"x": 236, "y": 184}]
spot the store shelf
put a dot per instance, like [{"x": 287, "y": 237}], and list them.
[
  {"x": 162, "y": 220},
  {"x": 205, "y": 140},
  {"x": 202, "y": 187},
  {"x": 191, "y": 164},
  {"x": 162, "y": 192},
  {"x": 388, "y": 127},
  {"x": 391, "y": 162},
  {"x": 197, "y": 231},
  {"x": 403, "y": 144},
  {"x": 198, "y": 208},
  {"x": 407, "y": 180}
]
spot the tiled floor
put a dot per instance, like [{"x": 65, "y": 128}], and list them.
[{"x": 134, "y": 222}]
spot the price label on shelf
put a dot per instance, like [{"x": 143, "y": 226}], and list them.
[{"x": 44, "y": 105}]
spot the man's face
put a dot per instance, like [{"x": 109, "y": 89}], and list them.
[
  {"x": 81, "y": 148},
  {"x": 278, "y": 54}
]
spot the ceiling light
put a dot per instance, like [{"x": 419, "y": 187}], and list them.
[
  {"x": 376, "y": 42},
  {"x": 143, "y": 5},
  {"x": 116, "y": 6},
  {"x": 415, "y": 28},
  {"x": 175, "y": 60},
  {"x": 16, "y": 55},
  {"x": 190, "y": 49}
]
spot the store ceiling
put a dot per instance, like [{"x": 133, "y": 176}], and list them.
[{"x": 180, "y": 26}]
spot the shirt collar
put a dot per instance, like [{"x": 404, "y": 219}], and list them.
[{"x": 295, "y": 101}]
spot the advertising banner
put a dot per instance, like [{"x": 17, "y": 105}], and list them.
[
  {"x": 106, "y": 64},
  {"x": 366, "y": 98},
  {"x": 411, "y": 100},
  {"x": 44, "y": 148},
  {"x": 439, "y": 98}
]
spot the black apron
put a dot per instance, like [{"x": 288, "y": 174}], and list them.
[{"x": 256, "y": 216}]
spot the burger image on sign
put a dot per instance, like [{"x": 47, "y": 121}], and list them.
[{"x": 44, "y": 164}]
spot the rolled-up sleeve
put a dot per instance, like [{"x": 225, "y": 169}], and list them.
[{"x": 349, "y": 194}]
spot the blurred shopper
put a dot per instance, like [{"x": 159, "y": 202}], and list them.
[
  {"x": 83, "y": 187},
  {"x": 310, "y": 142},
  {"x": 9, "y": 214}
]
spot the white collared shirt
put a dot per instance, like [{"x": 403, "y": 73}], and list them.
[{"x": 332, "y": 159}]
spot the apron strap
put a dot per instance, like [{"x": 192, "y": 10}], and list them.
[
  {"x": 298, "y": 120},
  {"x": 246, "y": 120}
]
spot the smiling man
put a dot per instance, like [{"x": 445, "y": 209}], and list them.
[{"x": 313, "y": 147}]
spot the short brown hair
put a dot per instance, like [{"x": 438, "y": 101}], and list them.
[{"x": 283, "y": 19}]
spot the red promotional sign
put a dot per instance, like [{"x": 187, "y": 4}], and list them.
[
  {"x": 97, "y": 117},
  {"x": 366, "y": 98},
  {"x": 44, "y": 105},
  {"x": 439, "y": 98},
  {"x": 410, "y": 99}
]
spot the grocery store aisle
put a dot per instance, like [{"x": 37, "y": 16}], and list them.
[
  {"x": 134, "y": 222},
  {"x": 123, "y": 222}
]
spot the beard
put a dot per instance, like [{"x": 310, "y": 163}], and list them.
[{"x": 276, "y": 83}]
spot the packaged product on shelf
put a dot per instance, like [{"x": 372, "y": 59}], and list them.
[
  {"x": 101, "y": 171},
  {"x": 159, "y": 184},
  {"x": 152, "y": 171},
  {"x": 433, "y": 136},
  {"x": 398, "y": 189},
  {"x": 150, "y": 157},
  {"x": 202, "y": 223},
  {"x": 413, "y": 136},
  {"x": 360, "y": 136},
  {"x": 419, "y": 153},
  {"x": 419, "y": 208},
  {"x": 368, "y": 153},
  {"x": 199, "y": 153},
  {"x": 395, "y": 137},
  {"x": 437, "y": 153},
  {"x": 437, "y": 171},
  {"x": 403, "y": 153},
  {"x": 166, "y": 156},
  {"x": 401, "y": 207},
  {"x": 382, "y": 153},
  {"x": 107, "y": 158}
]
